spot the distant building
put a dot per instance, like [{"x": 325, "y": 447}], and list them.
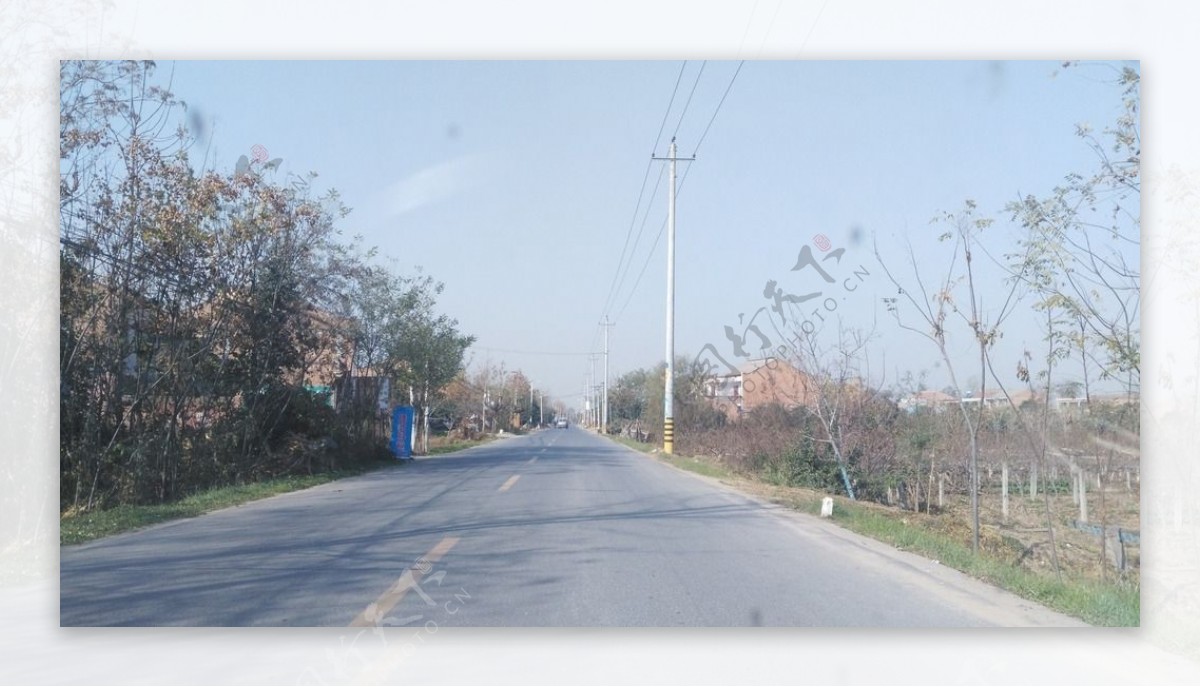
[
  {"x": 1079, "y": 405},
  {"x": 994, "y": 399},
  {"x": 938, "y": 400},
  {"x": 333, "y": 356},
  {"x": 933, "y": 400},
  {"x": 759, "y": 382},
  {"x": 1115, "y": 399}
]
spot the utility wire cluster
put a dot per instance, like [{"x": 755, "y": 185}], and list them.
[{"x": 644, "y": 205}]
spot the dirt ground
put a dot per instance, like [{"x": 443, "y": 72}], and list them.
[{"x": 1081, "y": 554}]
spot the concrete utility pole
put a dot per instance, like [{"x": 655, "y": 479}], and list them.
[
  {"x": 599, "y": 404},
  {"x": 592, "y": 391},
  {"x": 669, "y": 382},
  {"x": 604, "y": 408},
  {"x": 541, "y": 409},
  {"x": 483, "y": 415}
]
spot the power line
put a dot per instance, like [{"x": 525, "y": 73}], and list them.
[
  {"x": 592, "y": 346},
  {"x": 774, "y": 16},
  {"x": 749, "y": 23},
  {"x": 812, "y": 26},
  {"x": 636, "y": 241},
  {"x": 689, "y": 100},
  {"x": 646, "y": 264},
  {"x": 679, "y": 190},
  {"x": 612, "y": 288},
  {"x": 633, "y": 220},
  {"x": 719, "y": 104},
  {"x": 624, "y": 265},
  {"x": 649, "y": 257},
  {"x": 679, "y": 78},
  {"x": 509, "y": 350}
]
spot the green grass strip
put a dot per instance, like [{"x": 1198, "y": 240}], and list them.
[
  {"x": 83, "y": 527},
  {"x": 453, "y": 446},
  {"x": 1104, "y": 604},
  {"x": 1112, "y": 604}
]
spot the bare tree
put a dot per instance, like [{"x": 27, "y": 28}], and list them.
[
  {"x": 933, "y": 308},
  {"x": 836, "y": 394}
]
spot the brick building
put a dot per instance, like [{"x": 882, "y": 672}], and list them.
[{"x": 760, "y": 382}]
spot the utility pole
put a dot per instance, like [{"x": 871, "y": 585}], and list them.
[
  {"x": 483, "y": 415},
  {"x": 669, "y": 382},
  {"x": 604, "y": 408},
  {"x": 592, "y": 391},
  {"x": 541, "y": 409},
  {"x": 596, "y": 395}
]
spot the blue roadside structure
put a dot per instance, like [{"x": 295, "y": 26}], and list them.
[
  {"x": 402, "y": 429},
  {"x": 321, "y": 390}
]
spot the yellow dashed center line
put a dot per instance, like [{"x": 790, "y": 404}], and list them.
[
  {"x": 511, "y": 481},
  {"x": 374, "y": 614}
]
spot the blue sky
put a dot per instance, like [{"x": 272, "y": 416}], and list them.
[{"x": 515, "y": 183}]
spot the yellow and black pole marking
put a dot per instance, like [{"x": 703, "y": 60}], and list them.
[{"x": 669, "y": 436}]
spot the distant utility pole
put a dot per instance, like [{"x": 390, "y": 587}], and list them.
[
  {"x": 541, "y": 409},
  {"x": 592, "y": 391},
  {"x": 669, "y": 382},
  {"x": 604, "y": 408},
  {"x": 483, "y": 415},
  {"x": 595, "y": 406}
]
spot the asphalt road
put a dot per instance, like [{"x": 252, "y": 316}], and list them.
[{"x": 559, "y": 528}]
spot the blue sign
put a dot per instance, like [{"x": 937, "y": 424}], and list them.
[{"x": 402, "y": 431}]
